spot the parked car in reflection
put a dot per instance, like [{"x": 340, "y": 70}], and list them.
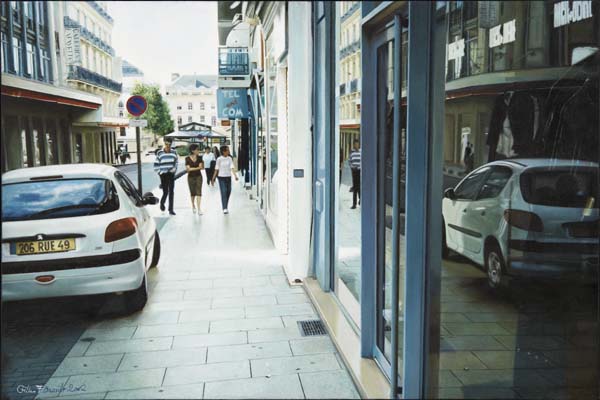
[
  {"x": 526, "y": 217},
  {"x": 71, "y": 230}
]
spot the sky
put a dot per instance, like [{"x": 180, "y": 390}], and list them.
[{"x": 161, "y": 37}]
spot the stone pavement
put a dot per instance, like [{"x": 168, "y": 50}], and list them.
[{"x": 221, "y": 321}]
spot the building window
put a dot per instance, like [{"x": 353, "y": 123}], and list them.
[
  {"x": 45, "y": 66},
  {"x": 212, "y": 106},
  {"x": 31, "y": 61},
  {"x": 179, "y": 120},
  {"x": 190, "y": 106},
  {"x": 201, "y": 106},
  {"x": 190, "y": 118},
  {"x": 18, "y": 60},
  {"x": 202, "y": 119},
  {"x": 4, "y": 53},
  {"x": 179, "y": 107},
  {"x": 213, "y": 121}
]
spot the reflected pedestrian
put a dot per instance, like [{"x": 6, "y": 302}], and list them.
[
  {"x": 224, "y": 169},
  {"x": 355, "y": 160},
  {"x": 165, "y": 166},
  {"x": 209, "y": 165},
  {"x": 194, "y": 166}
]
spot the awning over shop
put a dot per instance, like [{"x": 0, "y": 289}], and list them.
[{"x": 195, "y": 130}]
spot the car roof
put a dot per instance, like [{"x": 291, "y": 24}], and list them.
[
  {"x": 65, "y": 171},
  {"x": 524, "y": 163}
]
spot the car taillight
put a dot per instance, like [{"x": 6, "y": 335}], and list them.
[
  {"x": 120, "y": 229},
  {"x": 524, "y": 220}
]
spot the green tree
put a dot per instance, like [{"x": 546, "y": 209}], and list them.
[{"x": 157, "y": 114}]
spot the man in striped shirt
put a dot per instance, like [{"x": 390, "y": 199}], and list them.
[
  {"x": 354, "y": 161},
  {"x": 165, "y": 166}
]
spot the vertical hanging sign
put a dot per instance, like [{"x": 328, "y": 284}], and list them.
[{"x": 73, "y": 45}]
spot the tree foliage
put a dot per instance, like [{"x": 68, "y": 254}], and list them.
[{"x": 157, "y": 114}]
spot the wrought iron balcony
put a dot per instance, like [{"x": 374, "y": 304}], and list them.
[
  {"x": 350, "y": 11},
  {"x": 89, "y": 36},
  {"x": 234, "y": 61},
  {"x": 77, "y": 73},
  {"x": 100, "y": 10},
  {"x": 351, "y": 48}
]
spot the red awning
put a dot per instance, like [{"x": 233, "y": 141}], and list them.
[{"x": 49, "y": 98}]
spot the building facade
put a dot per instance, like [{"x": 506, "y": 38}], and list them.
[
  {"x": 421, "y": 298},
  {"x": 350, "y": 75},
  {"x": 40, "y": 109},
  {"x": 192, "y": 98}
]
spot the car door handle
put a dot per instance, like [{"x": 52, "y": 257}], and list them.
[
  {"x": 465, "y": 210},
  {"x": 482, "y": 213}
]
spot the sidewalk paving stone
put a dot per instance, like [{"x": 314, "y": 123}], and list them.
[
  {"x": 276, "y": 387},
  {"x": 328, "y": 385},
  {"x": 125, "y": 332},
  {"x": 211, "y": 315},
  {"x": 194, "y": 391},
  {"x": 207, "y": 373},
  {"x": 244, "y": 301},
  {"x": 313, "y": 345},
  {"x": 279, "y": 310},
  {"x": 163, "y": 359},
  {"x": 150, "y": 331},
  {"x": 118, "y": 380},
  {"x": 292, "y": 298},
  {"x": 129, "y": 346},
  {"x": 248, "y": 351},
  {"x": 292, "y": 365},
  {"x": 91, "y": 365},
  {"x": 274, "y": 335},
  {"x": 233, "y": 325},
  {"x": 200, "y": 304},
  {"x": 211, "y": 339}
]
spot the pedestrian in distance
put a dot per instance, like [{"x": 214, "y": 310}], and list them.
[
  {"x": 354, "y": 160},
  {"x": 165, "y": 166},
  {"x": 209, "y": 165},
  {"x": 194, "y": 166},
  {"x": 224, "y": 169}
]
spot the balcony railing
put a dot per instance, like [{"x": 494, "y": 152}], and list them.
[
  {"x": 89, "y": 36},
  {"x": 234, "y": 61},
  {"x": 78, "y": 73},
  {"x": 351, "y": 48},
  {"x": 350, "y": 11},
  {"x": 100, "y": 10}
]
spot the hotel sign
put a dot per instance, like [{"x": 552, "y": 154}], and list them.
[
  {"x": 73, "y": 46},
  {"x": 578, "y": 11},
  {"x": 503, "y": 34}
]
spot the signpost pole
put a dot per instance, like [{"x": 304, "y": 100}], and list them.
[{"x": 139, "y": 157}]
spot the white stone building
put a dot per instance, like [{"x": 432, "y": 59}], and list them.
[{"x": 192, "y": 98}]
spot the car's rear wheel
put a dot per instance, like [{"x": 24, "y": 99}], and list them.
[
  {"x": 136, "y": 299},
  {"x": 155, "y": 251},
  {"x": 494, "y": 267}
]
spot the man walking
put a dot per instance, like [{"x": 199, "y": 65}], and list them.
[
  {"x": 166, "y": 167},
  {"x": 354, "y": 161}
]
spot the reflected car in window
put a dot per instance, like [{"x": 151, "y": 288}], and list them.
[
  {"x": 70, "y": 230},
  {"x": 526, "y": 217}
]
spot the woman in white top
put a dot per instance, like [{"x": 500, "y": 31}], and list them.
[
  {"x": 224, "y": 169},
  {"x": 208, "y": 158}
]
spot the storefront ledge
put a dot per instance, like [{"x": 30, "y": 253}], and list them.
[{"x": 368, "y": 378}]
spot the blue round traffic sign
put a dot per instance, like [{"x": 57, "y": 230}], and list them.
[{"x": 136, "y": 105}]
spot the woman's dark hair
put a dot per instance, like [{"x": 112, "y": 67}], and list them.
[
  {"x": 193, "y": 147},
  {"x": 224, "y": 148},
  {"x": 216, "y": 151}
]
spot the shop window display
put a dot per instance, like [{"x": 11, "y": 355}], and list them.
[{"x": 519, "y": 311}]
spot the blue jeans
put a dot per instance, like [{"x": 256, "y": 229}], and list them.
[{"x": 225, "y": 187}]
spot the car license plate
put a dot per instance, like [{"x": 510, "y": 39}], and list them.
[{"x": 44, "y": 246}]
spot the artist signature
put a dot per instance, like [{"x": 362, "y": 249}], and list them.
[{"x": 37, "y": 389}]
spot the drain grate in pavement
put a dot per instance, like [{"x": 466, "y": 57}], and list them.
[{"x": 312, "y": 328}]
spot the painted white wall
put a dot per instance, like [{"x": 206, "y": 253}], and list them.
[{"x": 299, "y": 139}]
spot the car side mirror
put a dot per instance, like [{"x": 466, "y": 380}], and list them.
[
  {"x": 449, "y": 194},
  {"x": 149, "y": 198}
]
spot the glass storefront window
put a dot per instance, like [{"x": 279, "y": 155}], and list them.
[
  {"x": 519, "y": 312},
  {"x": 38, "y": 142},
  {"x": 51, "y": 144}
]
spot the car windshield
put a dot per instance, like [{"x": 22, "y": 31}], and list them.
[
  {"x": 573, "y": 188},
  {"x": 57, "y": 199}
]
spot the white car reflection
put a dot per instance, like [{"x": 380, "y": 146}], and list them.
[
  {"x": 526, "y": 217},
  {"x": 70, "y": 230}
]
